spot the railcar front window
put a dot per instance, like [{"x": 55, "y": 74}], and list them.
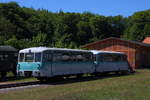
[
  {"x": 21, "y": 57},
  {"x": 29, "y": 57},
  {"x": 37, "y": 57}
]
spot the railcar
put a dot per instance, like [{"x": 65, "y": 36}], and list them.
[
  {"x": 43, "y": 62},
  {"x": 8, "y": 60},
  {"x": 110, "y": 61}
]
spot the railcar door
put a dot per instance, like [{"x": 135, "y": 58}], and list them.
[
  {"x": 62, "y": 63},
  {"x": 83, "y": 62},
  {"x": 47, "y": 64},
  {"x": 106, "y": 63},
  {"x": 122, "y": 62}
]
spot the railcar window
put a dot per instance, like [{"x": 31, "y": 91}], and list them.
[
  {"x": 118, "y": 58},
  {"x": 62, "y": 57},
  {"x": 124, "y": 58},
  {"x": 65, "y": 57},
  {"x": 47, "y": 57},
  {"x": 84, "y": 57},
  {"x": 6, "y": 56},
  {"x": 21, "y": 57},
  {"x": 79, "y": 57},
  {"x": 74, "y": 58},
  {"x": 1, "y": 57},
  {"x": 29, "y": 57},
  {"x": 57, "y": 57},
  {"x": 113, "y": 58},
  {"x": 107, "y": 58},
  {"x": 88, "y": 57},
  {"x": 37, "y": 57}
]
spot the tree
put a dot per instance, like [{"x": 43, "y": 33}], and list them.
[
  {"x": 6, "y": 28},
  {"x": 84, "y": 33},
  {"x": 66, "y": 25},
  {"x": 138, "y": 28},
  {"x": 13, "y": 42},
  {"x": 100, "y": 28},
  {"x": 40, "y": 40},
  {"x": 117, "y": 25}
]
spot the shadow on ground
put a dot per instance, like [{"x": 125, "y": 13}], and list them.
[
  {"x": 61, "y": 81},
  {"x": 66, "y": 80}
]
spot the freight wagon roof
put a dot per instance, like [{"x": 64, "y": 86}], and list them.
[
  {"x": 42, "y": 49},
  {"x": 7, "y": 48},
  {"x": 112, "y": 52}
]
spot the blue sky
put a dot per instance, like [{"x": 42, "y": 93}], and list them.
[{"x": 102, "y": 7}]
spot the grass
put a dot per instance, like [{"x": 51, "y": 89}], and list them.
[
  {"x": 127, "y": 87},
  {"x": 10, "y": 78}
]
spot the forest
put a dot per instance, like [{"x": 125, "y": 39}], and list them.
[{"x": 23, "y": 27}]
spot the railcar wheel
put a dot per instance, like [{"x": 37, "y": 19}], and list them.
[
  {"x": 79, "y": 75},
  {"x": 15, "y": 73},
  {"x": 41, "y": 79},
  {"x": 124, "y": 72},
  {"x": 117, "y": 72},
  {"x": 104, "y": 73},
  {"x": 130, "y": 70}
]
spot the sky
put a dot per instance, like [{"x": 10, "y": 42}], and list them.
[{"x": 101, "y": 7}]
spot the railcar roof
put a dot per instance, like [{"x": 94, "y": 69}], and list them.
[
  {"x": 8, "y": 48},
  {"x": 100, "y": 51},
  {"x": 42, "y": 49}
]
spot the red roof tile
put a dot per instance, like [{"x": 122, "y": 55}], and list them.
[{"x": 147, "y": 40}]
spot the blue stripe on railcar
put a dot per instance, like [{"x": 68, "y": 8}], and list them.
[{"x": 29, "y": 66}]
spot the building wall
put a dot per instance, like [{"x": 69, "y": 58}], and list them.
[{"x": 144, "y": 57}]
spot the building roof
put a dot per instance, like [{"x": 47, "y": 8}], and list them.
[
  {"x": 113, "y": 38},
  {"x": 147, "y": 40},
  {"x": 8, "y": 48}
]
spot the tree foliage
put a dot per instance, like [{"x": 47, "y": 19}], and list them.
[
  {"x": 138, "y": 26},
  {"x": 24, "y": 27}
]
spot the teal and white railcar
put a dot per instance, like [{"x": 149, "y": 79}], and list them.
[
  {"x": 42, "y": 62},
  {"x": 110, "y": 61}
]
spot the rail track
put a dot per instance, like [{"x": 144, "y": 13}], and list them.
[
  {"x": 15, "y": 85},
  {"x": 8, "y": 86}
]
